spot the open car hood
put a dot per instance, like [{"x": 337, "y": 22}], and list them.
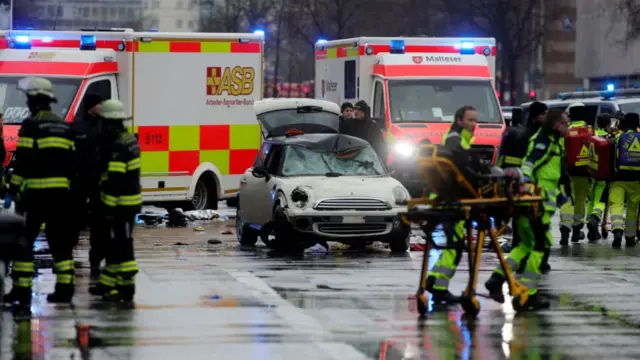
[{"x": 311, "y": 116}]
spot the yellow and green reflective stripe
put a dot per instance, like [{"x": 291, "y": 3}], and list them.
[
  {"x": 129, "y": 200},
  {"x": 16, "y": 180},
  {"x": 56, "y": 142},
  {"x": 48, "y": 183},
  {"x": 134, "y": 164},
  {"x": 63, "y": 266},
  {"x": 65, "y": 279},
  {"x": 117, "y": 167},
  {"x": 25, "y": 142},
  {"x": 23, "y": 266},
  {"x": 109, "y": 200},
  {"x": 129, "y": 266}
]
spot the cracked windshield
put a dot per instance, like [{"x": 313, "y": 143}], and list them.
[
  {"x": 13, "y": 101},
  {"x": 303, "y": 161},
  {"x": 438, "y": 100}
]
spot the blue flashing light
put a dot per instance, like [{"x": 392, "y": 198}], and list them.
[
  {"x": 321, "y": 41},
  {"x": 397, "y": 47},
  {"x": 611, "y": 87},
  {"x": 580, "y": 89},
  {"x": 467, "y": 48},
  {"x": 259, "y": 32},
  {"x": 47, "y": 39},
  {"x": 22, "y": 42},
  {"x": 87, "y": 42},
  {"x": 153, "y": 30}
]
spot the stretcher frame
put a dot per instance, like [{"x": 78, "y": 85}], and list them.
[{"x": 428, "y": 213}]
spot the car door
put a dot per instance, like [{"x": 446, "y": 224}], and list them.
[{"x": 256, "y": 202}]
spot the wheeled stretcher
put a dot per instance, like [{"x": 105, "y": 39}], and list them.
[{"x": 465, "y": 196}]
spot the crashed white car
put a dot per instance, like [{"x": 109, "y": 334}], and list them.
[{"x": 310, "y": 184}]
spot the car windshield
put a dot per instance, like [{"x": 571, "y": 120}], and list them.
[
  {"x": 631, "y": 107},
  {"x": 280, "y": 119},
  {"x": 591, "y": 109},
  {"x": 438, "y": 100},
  {"x": 304, "y": 161},
  {"x": 13, "y": 102}
]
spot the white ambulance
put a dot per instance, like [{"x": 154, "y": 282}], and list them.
[
  {"x": 414, "y": 86},
  {"x": 191, "y": 96}
]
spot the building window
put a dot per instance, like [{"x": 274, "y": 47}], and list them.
[
  {"x": 179, "y": 23},
  {"x": 179, "y": 5},
  {"x": 52, "y": 9},
  {"x": 192, "y": 25},
  {"x": 114, "y": 12},
  {"x": 154, "y": 23},
  {"x": 122, "y": 12},
  {"x": 130, "y": 14},
  {"x": 155, "y": 4},
  {"x": 192, "y": 4},
  {"x": 94, "y": 12}
]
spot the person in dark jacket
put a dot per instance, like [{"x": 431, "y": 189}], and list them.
[
  {"x": 3, "y": 155},
  {"x": 347, "y": 111},
  {"x": 87, "y": 129},
  {"x": 366, "y": 129}
]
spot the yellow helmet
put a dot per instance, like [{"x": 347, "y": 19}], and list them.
[
  {"x": 575, "y": 104},
  {"x": 33, "y": 86},
  {"x": 114, "y": 110}
]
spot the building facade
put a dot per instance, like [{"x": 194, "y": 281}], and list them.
[{"x": 603, "y": 54}]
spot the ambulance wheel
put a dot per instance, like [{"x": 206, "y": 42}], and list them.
[
  {"x": 205, "y": 194},
  {"x": 470, "y": 305}
]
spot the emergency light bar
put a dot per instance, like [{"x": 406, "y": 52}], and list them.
[
  {"x": 397, "y": 47},
  {"x": 22, "y": 42},
  {"x": 606, "y": 94},
  {"x": 467, "y": 48},
  {"x": 88, "y": 42},
  {"x": 578, "y": 95}
]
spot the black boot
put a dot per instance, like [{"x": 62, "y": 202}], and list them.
[
  {"x": 565, "y": 232},
  {"x": 630, "y": 241},
  {"x": 62, "y": 294},
  {"x": 100, "y": 289},
  {"x": 544, "y": 265},
  {"x": 593, "y": 233},
  {"x": 577, "y": 234},
  {"x": 536, "y": 302},
  {"x": 494, "y": 286},
  {"x": 441, "y": 297},
  {"x": 127, "y": 292},
  {"x": 617, "y": 239}
]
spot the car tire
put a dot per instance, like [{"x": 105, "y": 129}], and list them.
[
  {"x": 246, "y": 235},
  {"x": 286, "y": 238},
  {"x": 400, "y": 240}
]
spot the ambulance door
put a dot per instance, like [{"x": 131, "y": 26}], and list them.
[
  {"x": 105, "y": 86},
  {"x": 377, "y": 101}
]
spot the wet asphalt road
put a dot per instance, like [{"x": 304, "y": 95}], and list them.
[{"x": 201, "y": 301}]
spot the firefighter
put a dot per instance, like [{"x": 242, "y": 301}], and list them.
[
  {"x": 544, "y": 166},
  {"x": 514, "y": 147},
  {"x": 121, "y": 200},
  {"x": 572, "y": 214},
  {"x": 458, "y": 141},
  {"x": 43, "y": 169},
  {"x": 87, "y": 129},
  {"x": 625, "y": 189},
  {"x": 596, "y": 206}
]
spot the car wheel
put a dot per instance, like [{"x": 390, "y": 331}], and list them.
[
  {"x": 246, "y": 235},
  {"x": 400, "y": 240},
  {"x": 286, "y": 238},
  {"x": 200, "y": 198}
]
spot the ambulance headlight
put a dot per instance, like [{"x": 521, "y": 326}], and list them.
[{"x": 404, "y": 149}]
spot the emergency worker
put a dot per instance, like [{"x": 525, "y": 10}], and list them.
[
  {"x": 87, "y": 129},
  {"x": 121, "y": 200},
  {"x": 572, "y": 214},
  {"x": 43, "y": 168},
  {"x": 515, "y": 142},
  {"x": 543, "y": 165},
  {"x": 625, "y": 189},
  {"x": 596, "y": 206},
  {"x": 458, "y": 141},
  {"x": 3, "y": 155}
]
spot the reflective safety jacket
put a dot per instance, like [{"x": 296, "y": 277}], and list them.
[
  {"x": 627, "y": 156},
  {"x": 45, "y": 155},
  {"x": 120, "y": 191},
  {"x": 544, "y": 164},
  {"x": 458, "y": 140}
]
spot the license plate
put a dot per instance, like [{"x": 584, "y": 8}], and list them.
[{"x": 353, "y": 220}]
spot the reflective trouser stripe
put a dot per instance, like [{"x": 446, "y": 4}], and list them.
[
  {"x": 566, "y": 220},
  {"x": 22, "y": 273},
  {"x": 444, "y": 269},
  {"x": 109, "y": 274},
  {"x": 127, "y": 273},
  {"x": 617, "y": 222},
  {"x": 125, "y": 281},
  {"x": 630, "y": 227},
  {"x": 63, "y": 266},
  {"x": 66, "y": 279},
  {"x": 530, "y": 279}
]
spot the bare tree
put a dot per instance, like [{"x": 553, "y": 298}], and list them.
[
  {"x": 335, "y": 19},
  {"x": 221, "y": 17},
  {"x": 518, "y": 27},
  {"x": 629, "y": 11},
  {"x": 25, "y": 14}
]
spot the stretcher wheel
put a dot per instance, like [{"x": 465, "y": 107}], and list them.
[
  {"x": 421, "y": 302},
  {"x": 519, "y": 305},
  {"x": 605, "y": 232},
  {"x": 470, "y": 305}
]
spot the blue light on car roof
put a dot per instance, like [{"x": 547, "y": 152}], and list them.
[
  {"x": 321, "y": 41},
  {"x": 87, "y": 42},
  {"x": 611, "y": 87},
  {"x": 397, "y": 47},
  {"x": 21, "y": 42},
  {"x": 467, "y": 48},
  {"x": 259, "y": 32}
]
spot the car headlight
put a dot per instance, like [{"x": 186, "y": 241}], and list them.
[
  {"x": 299, "y": 197},
  {"x": 400, "y": 195},
  {"x": 404, "y": 149}
]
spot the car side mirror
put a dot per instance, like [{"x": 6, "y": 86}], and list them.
[
  {"x": 260, "y": 172},
  {"x": 517, "y": 116}
]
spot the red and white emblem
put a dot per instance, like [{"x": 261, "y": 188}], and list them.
[{"x": 417, "y": 59}]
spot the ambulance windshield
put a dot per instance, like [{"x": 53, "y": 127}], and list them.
[
  {"x": 630, "y": 107},
  {"x": 438, "y": 100},
  {"x": 13, "y": 102}
]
